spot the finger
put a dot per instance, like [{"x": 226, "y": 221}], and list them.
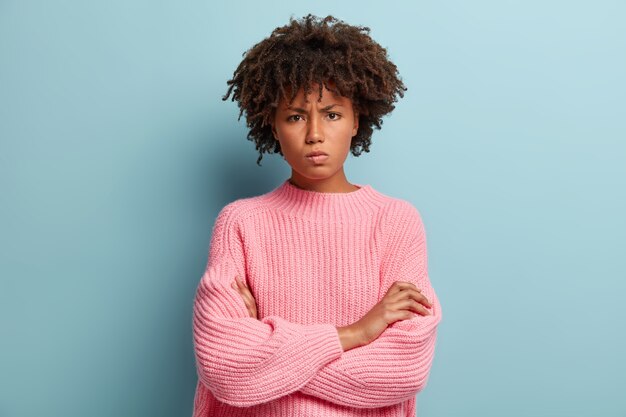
[
  {"x": 247, "y": 295},
  {"x": 241, "y": 293},
  {"x": 407, "y": 285},
  {"x": 395, "y": 288},
  {"x": 413, "y": 306},
  {"x": 250, "y": 306},
  {"x": 399, "y": 315},
  {"x": 243, "y": 287},
  {"x": 242, "y": 290},
  {"x": 239, "y": 282},
  {"x": 409, "y": 293},
  {"x": 401, "y": 285},
  {"x": 421, "y": 298},
  {"x": 410, "y": 285}
]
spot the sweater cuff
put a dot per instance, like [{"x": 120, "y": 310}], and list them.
[{"x": 325, "y": 343}]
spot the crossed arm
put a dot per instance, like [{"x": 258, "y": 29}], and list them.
[{"x": 245, "y": 361}]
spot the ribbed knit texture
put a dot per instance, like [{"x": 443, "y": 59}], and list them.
[{"x": 313, "y": 261}]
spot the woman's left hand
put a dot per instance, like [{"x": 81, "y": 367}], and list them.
[{"x": 247, "y": 296}]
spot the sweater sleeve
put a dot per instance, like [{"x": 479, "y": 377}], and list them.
[
  {"x": 241, "y": 360},
  {"x": 394, "y": 367}
]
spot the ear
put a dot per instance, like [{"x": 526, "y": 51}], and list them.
[
  {"x": 355, "y": 127},
  {"x": 272, "y": 123}
]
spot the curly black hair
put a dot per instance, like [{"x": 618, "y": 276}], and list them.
[{"x": 315, "y": 51}]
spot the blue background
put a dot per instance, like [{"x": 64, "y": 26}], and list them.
[{"x": 117, "y": 152}]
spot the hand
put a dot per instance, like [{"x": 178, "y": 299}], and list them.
[
  {"x": 401, "y": 302},
  {"x": 247, "y": 296}
]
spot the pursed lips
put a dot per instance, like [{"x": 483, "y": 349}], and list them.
[
  {"x": 317, "y": 157},
  {"x": 316, "y": 153}
]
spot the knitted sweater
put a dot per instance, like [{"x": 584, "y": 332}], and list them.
[{"x": 314, "y": 261}]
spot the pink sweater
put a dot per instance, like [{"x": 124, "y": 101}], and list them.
[{"x": 313, "y": 261}]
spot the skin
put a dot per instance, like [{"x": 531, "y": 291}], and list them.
[
  {"x": 308, "y": 125},
  {"x": 329, "y": 125}
]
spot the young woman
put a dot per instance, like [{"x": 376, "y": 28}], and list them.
[{"x": 316, "y": 299}]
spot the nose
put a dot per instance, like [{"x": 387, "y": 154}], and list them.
[{"x": 314, "y": 132}]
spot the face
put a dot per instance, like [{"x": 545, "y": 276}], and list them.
[{"x": 327, "y": 126}]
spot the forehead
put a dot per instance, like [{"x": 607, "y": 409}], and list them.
[{"x": 313, "y": 95}]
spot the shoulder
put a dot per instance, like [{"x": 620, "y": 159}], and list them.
[
  {"x": 400, "y": 212},
  {"x": 241, "y": 209},
  {"x": 400, "y": 220},
  {"x": 233, "y": 214}
]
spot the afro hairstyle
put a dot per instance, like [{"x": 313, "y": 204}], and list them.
[{"x": 329, "y": 52}]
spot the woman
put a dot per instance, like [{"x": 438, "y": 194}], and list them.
[{"x": 316, "y": 299}]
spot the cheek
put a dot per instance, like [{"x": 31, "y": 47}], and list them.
[
  {"x": 287, "y": 133},
  {"x": 347, "y": 135},
  {"x": 289, "y": 149}
]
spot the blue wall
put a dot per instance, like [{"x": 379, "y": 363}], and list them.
[{"x": 117, "y": 152}]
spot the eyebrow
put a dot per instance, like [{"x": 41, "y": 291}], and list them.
[{"x": 301, "y": 110}]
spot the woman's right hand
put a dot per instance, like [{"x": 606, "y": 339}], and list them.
[{"x": 401, "y": 302}]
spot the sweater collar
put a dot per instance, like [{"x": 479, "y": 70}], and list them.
[{"x": 325, "y": 206}]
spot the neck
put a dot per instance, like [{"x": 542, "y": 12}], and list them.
[
  {"x": 336, "y": 184},
  {"x": 326, "y": 207}
]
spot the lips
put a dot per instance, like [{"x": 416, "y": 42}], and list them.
[
  {"x": 316, "y": 153},
  {"x": 318, "y": 159}
]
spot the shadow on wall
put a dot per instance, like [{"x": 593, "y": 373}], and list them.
[{"x": 232, "y": 172}]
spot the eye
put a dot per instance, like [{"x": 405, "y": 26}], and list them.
[
  {"x": 290, "y": 118},
  {"x": 336, "y": 116}
]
